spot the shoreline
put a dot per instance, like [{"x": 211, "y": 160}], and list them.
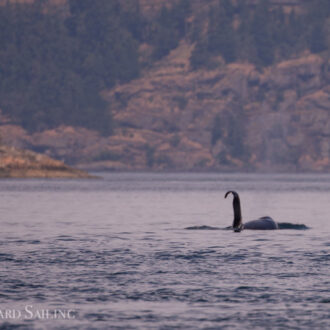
[{"x": 17, "y": 163}]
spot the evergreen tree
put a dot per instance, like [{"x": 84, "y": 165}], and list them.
[
  {"x": 317, "y": 39},
  {"x": 200, "y": 56},
  {"x": 54, "y": 66},
  {"x": 221, "y": 35},
  {"x": 247, "y": 46},
  {"x": 168, "y": 28},
  {"x": 261, "y": 31}
]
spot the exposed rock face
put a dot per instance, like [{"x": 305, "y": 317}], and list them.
[
  {"x": 283, "y": 113},
  {"x": 15, "y": 163},
  {"x": 233, "y": 117}
]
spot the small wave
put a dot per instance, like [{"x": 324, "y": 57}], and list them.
[
  {"x": 97, "y": 316},
  {"x": 10, "y": 326},
  {"x": 288, "y": 225},
  {"x": 66, "y": 239},
  {"x": 194, "y": 255},
  {"x": 203, "y": 228},
  {"x": 28, "y": 241},
  {"x": 281, "y": 225},
  {"x": 6, "y": 257},
  {"x": 251, "y": 288}
]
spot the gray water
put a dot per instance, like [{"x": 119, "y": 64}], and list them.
[{"x": 115, "y": 254}]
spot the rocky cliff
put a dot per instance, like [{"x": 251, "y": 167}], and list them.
[{"x": 230, "y": 117}]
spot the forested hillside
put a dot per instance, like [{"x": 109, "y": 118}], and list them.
[
  {"x": 263, "y": 34},
  {"x": 154, "y": 83},
  {"x": 54, "y": 63}
]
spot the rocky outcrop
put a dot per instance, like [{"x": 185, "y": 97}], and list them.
[
  {"x": 233, "y": 117},
  {"x": 282, "y": 111},
  {"x": 15, "y": 163}
]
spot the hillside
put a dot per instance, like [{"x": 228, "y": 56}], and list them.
[
  {"x": 193, "y": 104},
  {"x": 176, "y": 119}
]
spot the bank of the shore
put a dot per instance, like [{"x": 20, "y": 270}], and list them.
[{"x": 16, "y": 163}]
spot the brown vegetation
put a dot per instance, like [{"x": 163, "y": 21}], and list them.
[
  {"x": 15, "y": 163},
  {"x": 166, "y": 120}
]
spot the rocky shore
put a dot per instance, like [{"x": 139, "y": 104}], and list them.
[{"x": 16, "y": 163}]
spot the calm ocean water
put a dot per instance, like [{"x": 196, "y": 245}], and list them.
[{"x": 115, "y": 254}]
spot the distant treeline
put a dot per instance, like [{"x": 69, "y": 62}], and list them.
[
  {"x": 54, "y": 62},
  {"x": 53, "y": 66},
  {"x": 261, "y": 33}
]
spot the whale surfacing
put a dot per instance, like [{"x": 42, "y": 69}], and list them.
[{"x": 263, "y": 223}]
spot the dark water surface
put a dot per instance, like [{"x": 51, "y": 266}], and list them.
[{"x": 114, "y": 254}]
